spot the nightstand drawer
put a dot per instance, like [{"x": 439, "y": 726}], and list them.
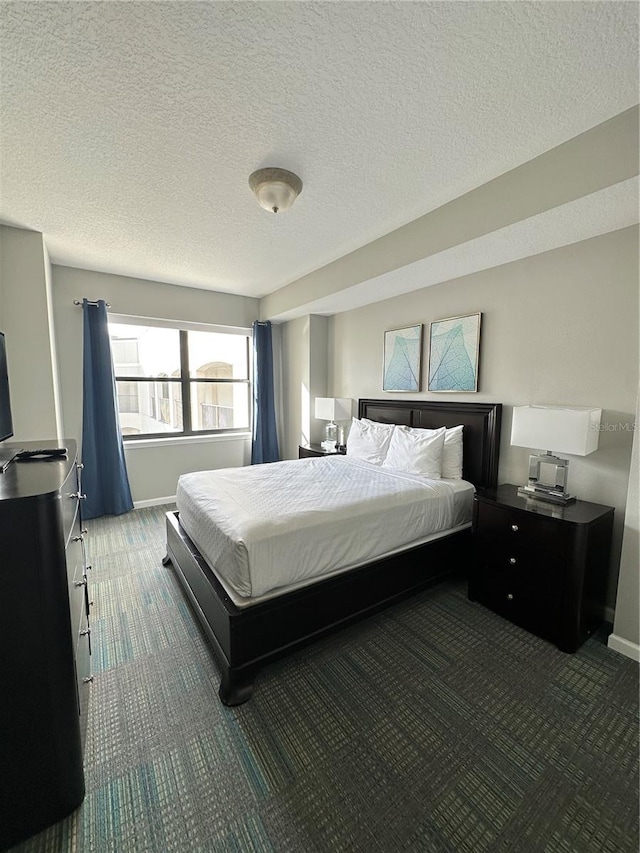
[
  {"x": 519, "y": 531},
  {"x": 523, "y": 578},
  {"x": 533, "y": 608}
]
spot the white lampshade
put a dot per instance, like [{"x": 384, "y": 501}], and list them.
[
  {"x": 333, "y": 408},
  {"x": 561, "y": 429}
]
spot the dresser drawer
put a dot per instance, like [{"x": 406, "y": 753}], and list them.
[
  {"x": 83, "y": 674},
  {"x": 69, "y": 498},
  {"x": 77, "y": 584}
]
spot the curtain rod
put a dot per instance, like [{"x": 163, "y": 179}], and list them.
[{"x": 90, "y": 302}]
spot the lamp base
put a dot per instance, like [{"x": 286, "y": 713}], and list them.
[
  {"x": 330, "y": 435},
  {"x": 547, "y": 480},
  {"x": 548, "y": 495}
]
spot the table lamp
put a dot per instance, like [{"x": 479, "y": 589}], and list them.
[
  {"x": 565, "y": 429},
  {"x": 332, "y": 409}
]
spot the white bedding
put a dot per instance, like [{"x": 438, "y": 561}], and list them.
[{"x": 265, "y": 527}]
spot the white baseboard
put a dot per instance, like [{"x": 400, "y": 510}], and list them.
[
  {"x": 625, "y": 647},
  {"x": 171, "y": 499}
]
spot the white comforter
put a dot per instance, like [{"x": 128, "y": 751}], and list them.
[{"x": 269, "y": 526}]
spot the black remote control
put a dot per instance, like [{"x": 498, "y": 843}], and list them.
[{"x": 46, "y": 452}]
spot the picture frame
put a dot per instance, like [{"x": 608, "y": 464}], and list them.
[
  {"x": 402, "y": 359},
  {"x": 454, "y": 354}
]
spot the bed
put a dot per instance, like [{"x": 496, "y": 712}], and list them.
[{"x": 250, "y": 623}]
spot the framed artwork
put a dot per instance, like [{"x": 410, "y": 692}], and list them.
[
  {"x": 454, "y": 349},
  {"x": 402, "y": 353}
]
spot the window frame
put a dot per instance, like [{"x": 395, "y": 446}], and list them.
[{"x": 185, "y": 380}]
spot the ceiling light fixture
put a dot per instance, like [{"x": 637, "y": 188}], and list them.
[{"x": 275, "y": 189}]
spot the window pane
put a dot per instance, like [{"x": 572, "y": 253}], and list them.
[
  {"x": 217, "y": 405},
  {"x": 149, "y": 407},
  {"x": 144, "y": 350},
  {"x": 217, "y": 356}
]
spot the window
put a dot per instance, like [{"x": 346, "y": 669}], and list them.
[{"x": 172, "y": 381}]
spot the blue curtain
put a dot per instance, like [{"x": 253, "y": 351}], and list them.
[
  {"x": 104, "y": 475},
  {"x": 264, "y": 447}
]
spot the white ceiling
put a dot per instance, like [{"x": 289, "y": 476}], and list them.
[{"x": 129, "y": 130}]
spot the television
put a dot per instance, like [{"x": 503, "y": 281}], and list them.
[{"x": 6, "y": 421}]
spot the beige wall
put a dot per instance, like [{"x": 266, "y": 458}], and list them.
[
  {"x": 26, "y": 322},
  {"x": 153, "y": 467},
  {"x": 626, "y": 627},
  {"x": 305, "y": 367},
  {"x": 557, "y": 328}
]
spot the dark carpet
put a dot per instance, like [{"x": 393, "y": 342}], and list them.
[{"x": 434, "y": 726}]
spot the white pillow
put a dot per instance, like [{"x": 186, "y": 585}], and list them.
[
  {"x": 452, "y": 454},
  {"x": 416, "y": 451},
  {"x": 451, "y": 465},
  {"x": 369, "y": 440}
]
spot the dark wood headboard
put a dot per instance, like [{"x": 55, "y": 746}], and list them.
[{"x": 481, "y": 433}]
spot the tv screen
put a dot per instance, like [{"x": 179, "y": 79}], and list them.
[{"x": 6, "y": 423}]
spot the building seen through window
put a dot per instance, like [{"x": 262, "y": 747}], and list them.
[{"x": 173, "y": 381}]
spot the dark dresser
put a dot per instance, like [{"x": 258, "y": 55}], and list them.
[
  {"x": 540, "y": 565},
  {"x": 45, "y": 643}
]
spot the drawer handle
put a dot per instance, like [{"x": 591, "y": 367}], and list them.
[
  {"x": 514, "y": 527},
  {"x": 513, "y": 561},
  {"x": 509, "y": 596}
]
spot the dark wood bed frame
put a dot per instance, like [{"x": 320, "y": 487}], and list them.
[{"x": 246, "y": 639}]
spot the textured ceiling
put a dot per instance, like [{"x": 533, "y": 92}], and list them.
[{"x": 129, "y": 129}]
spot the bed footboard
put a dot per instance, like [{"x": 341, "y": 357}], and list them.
[{"x": 245, "y": 639}]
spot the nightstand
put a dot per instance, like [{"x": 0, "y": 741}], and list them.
[
  {"x": 306, "y": 450},
  {"x": 540, "y": 565}
]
